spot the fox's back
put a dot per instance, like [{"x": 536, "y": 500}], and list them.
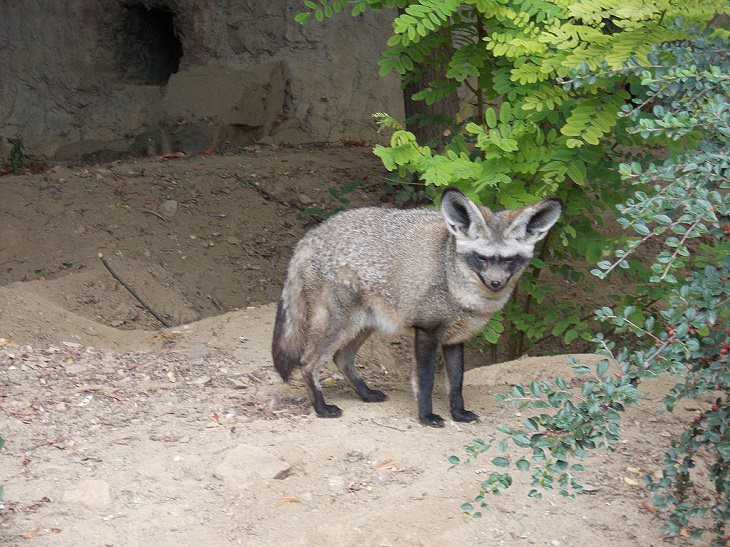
[
  {"x": 386, "y": 265},
  {"x": 378, "y": 246}
]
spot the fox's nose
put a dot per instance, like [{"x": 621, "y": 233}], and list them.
[{"x": 496, "y": 284}]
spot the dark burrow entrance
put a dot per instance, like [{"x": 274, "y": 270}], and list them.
[{"x": 148, "y": 50}]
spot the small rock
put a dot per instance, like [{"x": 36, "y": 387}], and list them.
[
  {"x": 337, "y": 484},
  {"x": 305, "y": 200},
  {"x": 246, "y": 466},
  {"x": 93, "y": 493},
  {"x": 200, "y": 381},
  {"x": 198, "y": 351},
  {"x": 168, "y": 208},
  {"x": 77, "y": 368},
  {"x": 233, "y": 240},
  {"x": 72, "y": 345},
  {"x": 124, "y": 313},
  {"x": 353, "y": 456}
]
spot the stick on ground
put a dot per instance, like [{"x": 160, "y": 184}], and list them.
[{"x": 131, "y": 290}]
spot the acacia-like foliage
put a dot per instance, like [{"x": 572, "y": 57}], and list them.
[{"x": 530, "y": 127}]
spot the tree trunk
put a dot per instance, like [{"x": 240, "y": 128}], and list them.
[{"x": 430, "y": 123}]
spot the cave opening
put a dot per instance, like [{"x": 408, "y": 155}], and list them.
[{"x": 148, "y": 48}]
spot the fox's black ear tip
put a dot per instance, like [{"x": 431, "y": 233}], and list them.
[
  {"x": 556, "y": 201},
  {"x": 453, "y": 190}
]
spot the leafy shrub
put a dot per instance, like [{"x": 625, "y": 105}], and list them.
[{"x": 682, "y": 202}]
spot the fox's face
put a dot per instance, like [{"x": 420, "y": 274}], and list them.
[{"x": 496, "y": 247}]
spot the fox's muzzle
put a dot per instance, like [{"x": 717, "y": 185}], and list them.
[{"x": 494, "y": 285}]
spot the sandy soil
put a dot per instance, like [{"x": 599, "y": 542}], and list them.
[{"x": 121, "y": 432}]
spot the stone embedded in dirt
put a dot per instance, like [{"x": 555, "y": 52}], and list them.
[
  {"x": 246, "y": 466},
  {"x": 93, "y": 493},
  {"x": 233, "y": 240},
  {"x": 337, "y": 484},
  {"x": 198, "y": 351},
  {"x": 72, "y": 369},
  {"x": 200, "y": 381},
  {"x": 168, "y": 208},
  {"x": 305, "y": 200},
  {"x": 124, "y": 313}
]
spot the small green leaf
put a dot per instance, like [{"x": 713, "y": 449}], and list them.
[
  {"x": 521, "y": 439},
  {"x": 490, "y": 116},
  {"x": 499, "y": 461},
  {"x": 522, "y": 464}
]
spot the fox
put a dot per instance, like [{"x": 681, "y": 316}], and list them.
[{"x": 438, "y": 273}]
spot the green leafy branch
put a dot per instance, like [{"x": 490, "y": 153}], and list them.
[{"x": 685, "y": 203}]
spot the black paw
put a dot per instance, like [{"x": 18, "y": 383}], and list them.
[
  {"x": 329, "y": 411},
  {"x": 432, "y": 420},
  {"x": 373, "y": 396},
  {"x": 461, "y": 415}
]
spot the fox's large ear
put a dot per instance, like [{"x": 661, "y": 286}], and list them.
[
  {"x": 532, "y": 223},
  {"x": 463, "y": 217}
]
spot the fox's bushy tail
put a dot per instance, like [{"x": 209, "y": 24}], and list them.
[{"x": 284, "y": 349}]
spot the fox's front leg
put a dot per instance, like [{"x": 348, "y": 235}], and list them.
[
  {"x": 454, "y": 358},
  {"x": 426, "y": 345}
]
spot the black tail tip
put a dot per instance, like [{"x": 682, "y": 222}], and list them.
[{"x": 285, "y": 361}]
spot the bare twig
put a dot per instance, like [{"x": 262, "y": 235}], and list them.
[
  {"x": 266, "y": 194},
  {"x": 133, "y": 292},
  {"x": 158, "y": 215}
]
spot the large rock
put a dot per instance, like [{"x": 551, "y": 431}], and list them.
[{"x": 208, "y": 107}]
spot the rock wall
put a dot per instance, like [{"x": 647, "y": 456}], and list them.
[{"x": 100, "y": 79}]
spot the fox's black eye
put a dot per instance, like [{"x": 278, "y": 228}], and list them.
[
  {"x": 481, "y": 258},
  {"x": 509, "y": 259}
]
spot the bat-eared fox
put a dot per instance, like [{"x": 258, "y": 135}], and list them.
[{"x": 442, "y": 274}]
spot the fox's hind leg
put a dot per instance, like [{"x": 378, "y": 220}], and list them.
[
  {"x": 345, "y": 360},
  {"x": 320, "y": 349},
  {"x": 322, "y": 409}
]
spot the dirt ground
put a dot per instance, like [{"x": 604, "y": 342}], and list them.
[{"x": 120, "y": 431}]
